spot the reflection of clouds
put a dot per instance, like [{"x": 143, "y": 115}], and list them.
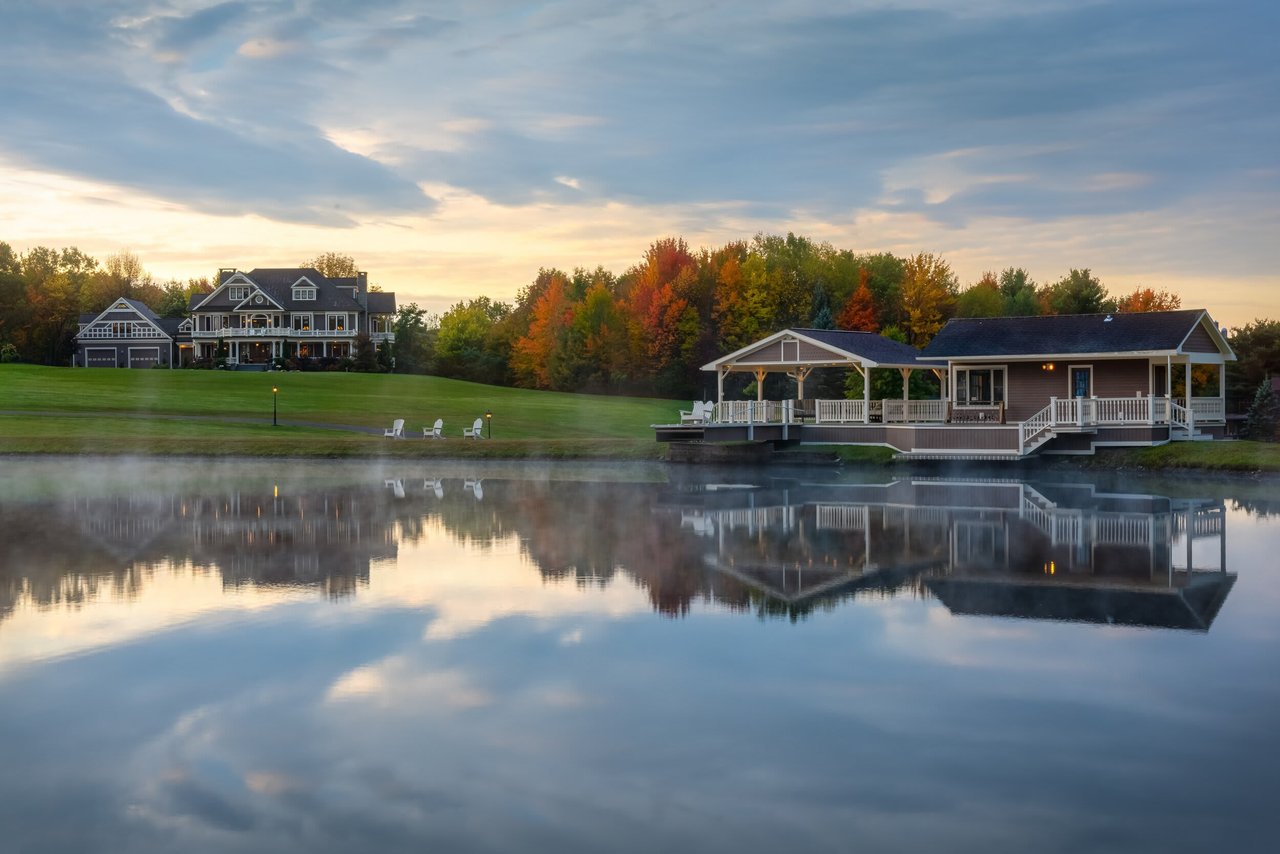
[
  {"x": 394, "y": 682},
  {"x": 172, "y": 596}
]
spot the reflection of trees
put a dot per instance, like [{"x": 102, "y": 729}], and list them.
[{"x": 70, "y": 550}]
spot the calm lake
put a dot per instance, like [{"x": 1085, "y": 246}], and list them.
[{"x": 280, "y": 656}]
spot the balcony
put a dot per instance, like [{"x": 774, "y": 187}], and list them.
[{"x": 271, "y": 332}]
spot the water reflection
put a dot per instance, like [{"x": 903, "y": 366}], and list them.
[
  {"x": 773, "y": 547},
  {"x": 1010, "y": 549},
  {"x": 325, "y": 658}
]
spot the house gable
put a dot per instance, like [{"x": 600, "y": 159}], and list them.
[
  {"x": 1205, "y": 337},
  {"x": 109, "y": 323},
  {"x": 236, "y": 279}
]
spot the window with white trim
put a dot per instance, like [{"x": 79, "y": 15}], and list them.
[
  {"x": 236, "y": 293},
  {"x": 302, "y": 323},
  {"x": 980, "y": 386},
  {"x": 304, "y": 294},
  {"x": 337, "y": 323}
]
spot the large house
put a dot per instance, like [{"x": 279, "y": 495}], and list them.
[
  {"x": 291, "y": 313},
  {"x": 1009, "y": 387},
  {"x": 249, "y": 319}
]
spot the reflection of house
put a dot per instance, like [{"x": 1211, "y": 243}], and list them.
[
  {"x": 288, "y": 313},
  {"x": 998, "y": 548},
  {"x": 66, "y": 550},
  {"x": 130, "y": 335},
  {"x": 1007, "y": 386}
]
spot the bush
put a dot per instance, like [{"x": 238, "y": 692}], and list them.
[
  {"x": 1264, "y": 414},
  {"x": 8, "y": 353}
]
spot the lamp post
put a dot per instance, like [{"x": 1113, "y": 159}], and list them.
[
  {"x": 275, "y": 392},
  {"x": 488, "y": 424}
]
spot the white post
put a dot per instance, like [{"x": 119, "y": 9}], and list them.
[
  {"x": 720, "y": 384},
  {"x": 1151, "y": 409},
  {"x": 1191, "y": 415},
  {"x": 760, "y": 375},
  {"x": 866, "y": 394},
  {"x": 1053, "y": 410},
  {"x": 1222, "y": 390}
]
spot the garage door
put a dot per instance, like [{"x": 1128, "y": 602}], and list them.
[
  {"x": 100, "y": 357},
  {"x": 144, "y": 357}
]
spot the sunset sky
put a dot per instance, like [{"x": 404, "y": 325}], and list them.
[{"x": 453, "y": 148}]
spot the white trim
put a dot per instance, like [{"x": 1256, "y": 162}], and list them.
[
  {"x": 1225, "y": 353},
  {"x": 232, "y": 279},
  {"x": 252, "y": 293},
  {"x": 1057, "y": 357},
  {"x": 844, "y": 357},
  {"x": 116, "y": 306},
  {"x": 955, "y": 400}
]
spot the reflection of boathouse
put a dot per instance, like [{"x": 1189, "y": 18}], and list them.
[{"x": 1063, "y": 552}]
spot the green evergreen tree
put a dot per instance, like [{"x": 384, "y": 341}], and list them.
[{"x": 1264, "y": 414}]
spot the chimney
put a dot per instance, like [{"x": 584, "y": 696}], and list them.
[
  {"x": 362, "y": 283},
  {"x": 225, "y": 273}
]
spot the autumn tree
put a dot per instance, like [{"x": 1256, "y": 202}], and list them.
[
  {"x": 1078, "y": 292},
  {"x": 928, "y": 291},
  {"x": 538, "y": 358},
  {"x": 860, "y": 313},
  {"x": 1146, "y": 299}
]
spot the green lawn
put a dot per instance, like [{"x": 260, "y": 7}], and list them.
[
  {"x": 132, "y": 411},
  {"x": 1213, "y": 456}
]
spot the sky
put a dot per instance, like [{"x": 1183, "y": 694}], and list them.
[{"x": 454, "y": 148}]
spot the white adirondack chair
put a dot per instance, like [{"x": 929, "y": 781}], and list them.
[
  {"x": 396, "y": 486},
  {"x": 701, "y": 412},
  {"x": 475, "y": 431},
  {"x": 435, "y": 432},
  {"x": 396, "y": 430},
  {"x": 435, "y": 485}
]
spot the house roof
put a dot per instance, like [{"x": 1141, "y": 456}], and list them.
[
  {"x": 277, "y": 283},
  {"x": 869, "y": 345},
  {"x": 828, "y": 347},
  {"x": 1065, "y": 334}
]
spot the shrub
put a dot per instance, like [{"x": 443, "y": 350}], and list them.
[{"x": 1264, "y": 414}]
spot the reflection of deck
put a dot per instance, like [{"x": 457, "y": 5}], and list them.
[
  {"x": 791, "y": 587},
  {"x": 1193, "y": 606}
]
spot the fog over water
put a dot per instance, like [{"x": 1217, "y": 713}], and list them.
[{"x": 258, "y": 656}]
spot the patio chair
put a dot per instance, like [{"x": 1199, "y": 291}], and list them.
[
  {"x": 475, "y": 431},
  {"x": 435, "y": 432},
  {"x": 396, "y": 430},
  {"x": 701, "y": 412},
  {"x": 434, "y": 485},
  {"x": 396, "y": 485}
]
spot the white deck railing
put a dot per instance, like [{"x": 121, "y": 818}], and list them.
[
  {"x": 840, "y": 411},
  {"x": 914, "y": 411},
  {"x": 1060, "y": 413}
]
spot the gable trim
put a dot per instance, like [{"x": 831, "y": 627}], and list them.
[
  {"x": 236, "y": 278},
  {"x": 1204, "y": 320}
]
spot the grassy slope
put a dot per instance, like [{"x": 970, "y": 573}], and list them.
[
  {"x": 124, "y": 411},
  {"x": 1215, "y": 456}
]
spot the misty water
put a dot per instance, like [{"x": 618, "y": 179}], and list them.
[{"x": 279, "y": 656}]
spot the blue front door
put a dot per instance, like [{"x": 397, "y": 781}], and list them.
[{"x": 1080, "y": 382}]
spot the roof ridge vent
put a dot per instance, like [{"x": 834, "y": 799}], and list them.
[{"x": 1106, "y": 319}]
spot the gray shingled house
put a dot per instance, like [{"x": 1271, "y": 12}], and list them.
[{"x": 127, "y": 334}]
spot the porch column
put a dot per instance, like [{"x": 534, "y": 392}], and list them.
[
  {"x": 1191, "y": 416},
  {"x": 1222, "y": 390},
  {"x": 760, "y": 373},
  {"x": 866, "y": 393},
  {"x": 720, "y": 372}
]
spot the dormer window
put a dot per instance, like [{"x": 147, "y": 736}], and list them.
[
  {"x": 304, "y": 293},
  {"x": 236, "y": 293}
]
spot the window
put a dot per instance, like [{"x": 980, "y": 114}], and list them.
[
  {"x": 302, "y": 323},
  {"x": 337, "y": 323},
  {"x": 236, "y": 293},
  {"x": 979, "y": 386},
  {"x": 307, "y": 294}
]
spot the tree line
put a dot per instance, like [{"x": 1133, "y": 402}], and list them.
[{"x": 646, "y": 331}]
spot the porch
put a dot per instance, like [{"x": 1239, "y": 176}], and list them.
[{"x": 937, "y": 428}]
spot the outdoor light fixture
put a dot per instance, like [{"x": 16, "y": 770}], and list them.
[
  {"x": 488, "y": 423},
  {"x": 1047, "y": 366},
  {"x": 275, "y": 392}
]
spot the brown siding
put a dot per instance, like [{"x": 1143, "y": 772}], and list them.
[
  {"x": 958, "y": 437},
  {"x": 1200, "y": 341},
  {"x": 770, "y": 353},
  {"x": 1028, "y": 386},
  {"x": 1007, "y": 495},
  {"x": 872, "y": 434},
  {"x": 813, "y": 353}
]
